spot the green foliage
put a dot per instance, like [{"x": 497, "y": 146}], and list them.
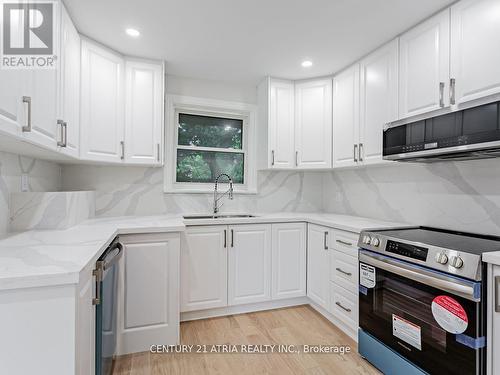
[{"x": 205, "y": 166}]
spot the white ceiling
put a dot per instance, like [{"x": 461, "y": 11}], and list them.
[{"x": 241, "y": 41}]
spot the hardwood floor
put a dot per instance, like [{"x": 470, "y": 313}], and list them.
[{"x": 290, "y": 326}]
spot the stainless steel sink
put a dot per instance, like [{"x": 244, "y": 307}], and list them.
[{"x": 201, "y": 217}]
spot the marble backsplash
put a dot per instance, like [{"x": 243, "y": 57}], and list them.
[
  {"x": 42, "y": 176},
  {"x": 139, "y": 191},
  {"x": 461, "y": 195},
  {"x": 50, "y": 210}
]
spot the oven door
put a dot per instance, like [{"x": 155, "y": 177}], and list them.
[{"x": 430, "y": 318}]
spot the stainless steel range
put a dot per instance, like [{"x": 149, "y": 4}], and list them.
[{"x": 422, "y": 300}]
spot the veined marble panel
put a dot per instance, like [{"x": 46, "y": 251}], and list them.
[{"x": 50, "y": 210}]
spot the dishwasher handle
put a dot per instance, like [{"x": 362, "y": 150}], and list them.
[{"x": 105, "y": 262}]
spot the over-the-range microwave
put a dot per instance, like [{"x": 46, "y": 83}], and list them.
[{"x": 472, "y": 133}]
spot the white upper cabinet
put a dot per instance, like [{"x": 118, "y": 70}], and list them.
[
  {"x": 69, "y": 88},
  {"x": 475, "y": 56},
  {"x": 346, "y": 117},
  {"x": 102, "y": 114},
  {"x": 313, "y": 124},
  {"x": 143, "y": 112},
  {"x": 424, "y": 61},
  {"x": 378, "y": 100},
  {"x": 281, "y": 124},
  {"x": 42, "y": 121},
  {"x": 13, "y": 111},
  {"x": 249, "y": 264}
]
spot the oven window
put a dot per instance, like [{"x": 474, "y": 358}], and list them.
[{"x": 432, "y": 348}]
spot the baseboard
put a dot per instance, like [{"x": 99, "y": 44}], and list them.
[{"x": 242, "y": 309}]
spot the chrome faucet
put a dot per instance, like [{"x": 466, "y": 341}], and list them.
[{"x": 229, "y": 192}]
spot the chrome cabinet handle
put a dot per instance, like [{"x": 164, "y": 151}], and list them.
[
  {"x": 27, "y": 100},
  {"x": 232, "y": 238},
  {"x": 344, "y": 272},
  {"x": 355, "y": 153},
  {"x": 441, "y": 94},
  {"x": 325, "y": 241},
  {"x": 497, "y": 290},
  {"x": 452, "y": 91},
  {"x": 60, "y": 143},
  {"x": 296, "y": 158},
  {"x": 122, "y": 144},
  {"x": 272, "y": 157},
  {"x": 342, "y": 307},
  {"x": 225, "y": 238},
  {"x": 344, "y": 242},
  {"x": 64, "y": 133},
  {"x": 65, "y": 126},
  {"x": 361, "y": 152},
  {"x": 158, "y": 152}
]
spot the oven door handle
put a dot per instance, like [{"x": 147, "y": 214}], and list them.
[{"x": 453, "y": 285}]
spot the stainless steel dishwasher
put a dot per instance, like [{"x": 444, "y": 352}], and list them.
[{"x": 106, "y": 274}]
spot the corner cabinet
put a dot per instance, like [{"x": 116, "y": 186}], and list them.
[
  {"x": 102, "y": 110},
  {"x": 424, "y": 62},
  {"x": 143, "y": 112},
  {"x": 318, "y": 265},
  {"x": 121, "y": 108},
  {"x": 364, "y": 100},
  {"x": 296, "y": 121},
  {"x": 313, "y": 124},
  {"x": 148, "y": 292}
]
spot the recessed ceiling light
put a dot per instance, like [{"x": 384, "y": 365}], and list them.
[
  {"x": 133, "y": 32},
  {"x": 306, "y": 64}
]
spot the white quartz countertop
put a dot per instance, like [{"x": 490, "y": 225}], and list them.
[
  {"x": 493, "y": 258},
  {"x": 55, "y": 257}
]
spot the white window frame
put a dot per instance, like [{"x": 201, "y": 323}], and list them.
[{"x": 216, "y": 108}]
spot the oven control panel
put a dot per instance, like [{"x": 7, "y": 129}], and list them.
[
  {"x": 407, "y": 250},
  {"x": 455, "y": 262}
]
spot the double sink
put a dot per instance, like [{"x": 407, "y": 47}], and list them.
[{"x": 216, "y": 216}]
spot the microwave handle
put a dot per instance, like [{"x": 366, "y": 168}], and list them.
[{"x": 449, "y": 284}]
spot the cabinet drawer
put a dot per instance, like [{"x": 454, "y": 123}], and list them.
[
  {"x": 344, "y": 270},
  {"x": 344, "y": 305},
  {"x": 346, "y": 242}
]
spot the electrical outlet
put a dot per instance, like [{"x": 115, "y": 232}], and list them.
[{"x": 25, "y": 186}]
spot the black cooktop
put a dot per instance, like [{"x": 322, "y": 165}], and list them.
[{"x": 464, "y": 242}]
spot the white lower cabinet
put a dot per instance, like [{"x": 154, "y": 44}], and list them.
[
  {"x": 249, "y": 264},
  {"x": 493, "y": 321},
  {"x": 288, "y": 260},
  {"x": 235, "y": 265},
  {"x": 148, "y": 308},
  {"x": 318, "y": 265},
  {"x": 85, "y": 327},
  {"x": 204, "y": 268}
]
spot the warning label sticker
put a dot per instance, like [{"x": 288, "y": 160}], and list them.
[
  {"x": 449, "y": 314},
  {"x": 407, "y": 331},
  {"x": 366, "y": 275}
]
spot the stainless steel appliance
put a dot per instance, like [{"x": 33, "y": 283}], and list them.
[
  {"x": 472, "y": 133},
  {"x": 422, "y": 300},
  {"x": 106, "y": 275}
]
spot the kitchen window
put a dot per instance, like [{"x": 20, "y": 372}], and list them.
[{"x": 205, "y": 142}]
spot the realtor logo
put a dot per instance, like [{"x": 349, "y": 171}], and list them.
[{"x": 28, "y": 37}]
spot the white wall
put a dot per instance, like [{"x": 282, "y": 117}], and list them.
[
  {"x": 43, "y": 176},
  {"x": 457, "y": 195}
]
